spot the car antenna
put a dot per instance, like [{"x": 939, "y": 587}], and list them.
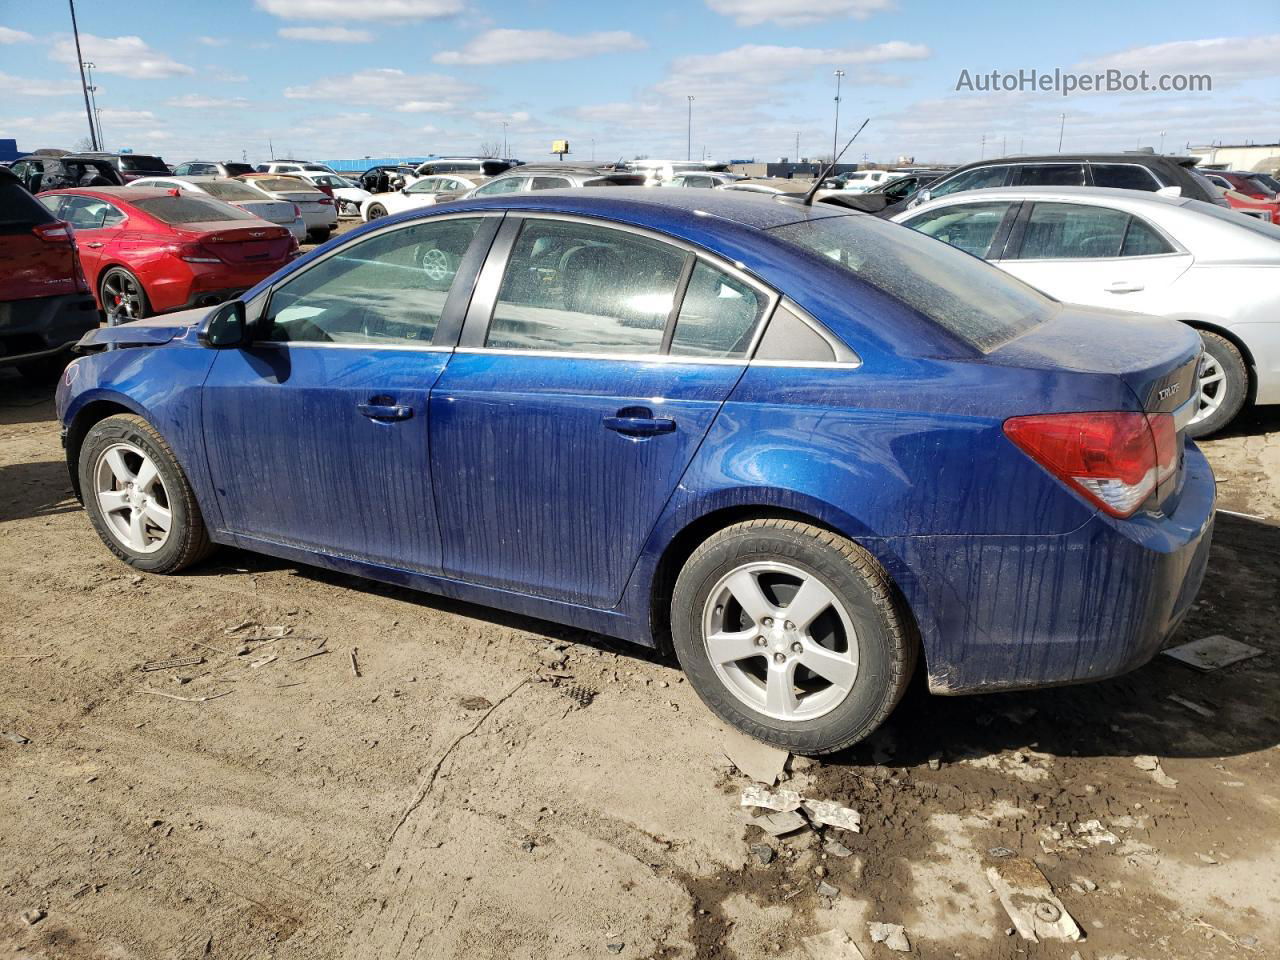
[{"x": 817, "y": 184}]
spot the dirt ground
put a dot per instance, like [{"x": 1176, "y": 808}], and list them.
[{"x": 490, "y": 786}]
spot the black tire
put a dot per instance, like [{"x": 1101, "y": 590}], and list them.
[
  {"x": 119, "y": 312},
  {"x": 188, "y": 539},
  {"x": 1234, "y": 385},
  {"x": 320, "y": 235},
  {"x": 886, "y": 643},
  {"x": 376, "y": 211}
]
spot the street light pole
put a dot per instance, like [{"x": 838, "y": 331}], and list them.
[
  {"x": 84, "y": 87},
  {"x": 688, "y": 146},
  {"x": 835, "y": 134},
  {"x": 1162, "y": 133},
  {"x": 1062, "y": 125},
  {"x": 504, "y": 139},
  {"x": 93, "y": 102}
]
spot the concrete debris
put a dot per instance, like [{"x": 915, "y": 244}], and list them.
[
  {"x": 475, "y": 703},
  {"x": 1000, "y": 852},
  {"x": 832, "y": 945},
  {"x": 827, "y": 890},
  {"x": 757, "y": 760},
  {"x": 892, "y": 935},
  {"x": 780, "y": 800},
  {"x": 615, "y": 946},
  {"x": 1029, "y": 900},
  {"x": 1192, "y": 706},
  {"x": 16, "y": 737},
  {"x": 764, "y": 853},
  {"x": 779, "y": 824},
  {"x": 1212, "y": 653},
  {"x": 33, "y": 916},
  {"x": 1094, "y": 833},
  {"x": 1152, "y": 766},
  {"x": 835, "y": 848}
]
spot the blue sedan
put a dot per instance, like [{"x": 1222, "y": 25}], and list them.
[{"x": 802, "y": 447}]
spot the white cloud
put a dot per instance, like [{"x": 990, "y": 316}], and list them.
[
  {"x": 409, "y": 93},
  {"x": 126, "y": 118},
  {"x": 125, "y": 56},
  {"x": 519, "y": 46},
  {"x": 197, "y": 101},
  {"x": 36, "y": 88},
  {"x": 9, "y": 35},
  {"x": 212, "y": 41},
  {"x": 1223, "y": 58},
  {"x": 519, "y": 117},
  {"x": 368, "y": 10},
  {"x": 326, "y": 34},
  {"x": 750, "y": 13}
]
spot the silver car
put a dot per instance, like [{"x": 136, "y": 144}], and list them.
[
  {"x": 318, "y": 208},
  {"x": 238, "y": 194},
  {"x": 1209, "y": 267},
  {"x": 556, "y": 176}
]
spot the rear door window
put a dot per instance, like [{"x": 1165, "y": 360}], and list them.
[
  {"x": 718, "y": 315},
  {"x": 90, "y": 213},
  {"x": 970, "y": 227},
  {"x": 1051, "y": 175},
  {"x": 1075, "y": 231},
  {"x": 574, "y": 287},
  {"x": 505, "y": 185},
  {"x": 1123, "y": 176}
]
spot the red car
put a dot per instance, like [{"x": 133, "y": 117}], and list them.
[
  {"x": 149, "y": 250},
  {"x": 45, "y": 305},
  {"x": 1241, "y": 183}
]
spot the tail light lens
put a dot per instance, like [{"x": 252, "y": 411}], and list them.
[
  {"x": 194, "y": 253},
  {"x": 325, "y": 201},
  {"x": 297, "y": 212},
  {"x": 57, "y": 233},
  {"x": 1114, "y": 460}
]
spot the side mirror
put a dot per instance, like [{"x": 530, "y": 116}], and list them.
[
  {"x": 224, "y": 327},
  {"x": 923, "y": 196}
]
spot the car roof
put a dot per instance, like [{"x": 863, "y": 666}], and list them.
[
  {"x": 1148, "y": 159},
  {"x": 117, "y": 193},
  {"x": 1080, "y": 194}
]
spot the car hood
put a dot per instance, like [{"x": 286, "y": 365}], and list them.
[{"x": 142, "y": 333}]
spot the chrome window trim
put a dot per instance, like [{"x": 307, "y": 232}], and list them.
[{"x": 289, "y": 344}]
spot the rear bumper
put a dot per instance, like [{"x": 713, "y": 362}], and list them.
[
  {"x": 198, "y": 285},
  {"x": 33, "y": 329},
  {"x": 1002, "y": 613}
]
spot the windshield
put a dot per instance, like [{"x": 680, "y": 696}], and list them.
[
  {"x": 332, "y": 180},
  {"x": 229, "y": 190},
  {"x": 186, "y": 208},
  {"x": 977, "y": 302},
  {"x": 137, "y": 163}
]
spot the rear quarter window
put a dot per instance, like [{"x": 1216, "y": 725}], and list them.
[
  {"x": 188, "y": 209},
  {"x": 979, "y": 303}
]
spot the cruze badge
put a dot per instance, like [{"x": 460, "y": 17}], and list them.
[{"x": 1168, "y": 392}]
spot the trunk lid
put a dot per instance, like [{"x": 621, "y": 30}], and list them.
[
  {"x": 230, "y": 243},
  {"x": 1157, "y": 359},
  {"x": 274, "y": 211}
]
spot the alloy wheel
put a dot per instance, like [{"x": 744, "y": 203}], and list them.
[
  {"x": 133, "y": 498},
  {"x": 780, "y": 641},
  {"x": 1211, "y": 387},
  {"x": 121, "y": 296}
]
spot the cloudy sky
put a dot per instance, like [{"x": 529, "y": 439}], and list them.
[{"x": 328, "y": 79}]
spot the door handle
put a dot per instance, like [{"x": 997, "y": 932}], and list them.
[
  {"x": 629, "y": 424},
  {"x": 1124, "y": 286},
  {"x": 96, "y": 244},
  {"x": 385, "y": 411}
]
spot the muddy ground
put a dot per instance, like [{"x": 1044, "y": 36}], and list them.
[{"x": 491, "y": 786}]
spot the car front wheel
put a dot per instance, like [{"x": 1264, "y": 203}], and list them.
[
  {"x": 138, "y": 498},
  {"x": 792, "y": 634},
  {"x": 1222, "y": 385}
]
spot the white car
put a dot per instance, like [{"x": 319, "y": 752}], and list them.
[
  {"x": 318, "y": 209},
  {"x": 860, "y": 181},
  {"x": 294, "y": 166},
  {"x": 350, "y": 196},
  {"x": 1209, "y": 267},
  {"x": 239, "y": 194},
  {"x": 420, "y": 193}
]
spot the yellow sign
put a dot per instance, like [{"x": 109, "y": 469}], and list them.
[{"x": 560, "y": 146}]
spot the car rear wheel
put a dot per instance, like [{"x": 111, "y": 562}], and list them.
[
  {"x": 791, "y": 634},
  {"x": 138, "y": 498},
  {"x": 319, "y": 236},
  {"x": 376, "y": 211},
  {"x": 123, "y": 298},
  {"x": 1222, "y": 385}
]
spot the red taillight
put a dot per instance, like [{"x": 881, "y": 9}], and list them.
[
  {"x": 325, "y": 201},
  {"x": 1114, "y": 460},
  {"x": 56, "y": 232},
  {"x": 193, "y": 253},
  {"x": 297, "y": 211}
]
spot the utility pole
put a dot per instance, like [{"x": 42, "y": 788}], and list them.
[
  {"x": 1062, "y": 125},
  {"x": 835, "y": 134},
  {"x": 504, "y": 139},
  {"x": 688, "y": 146},
  {"x": 93, "y": 101},
  {"x": 84, "y": 86},
  {"x": 593, "y": 149},
  {"x": 1162, "y": 133},
  {"x": 983, "y": 154}
]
